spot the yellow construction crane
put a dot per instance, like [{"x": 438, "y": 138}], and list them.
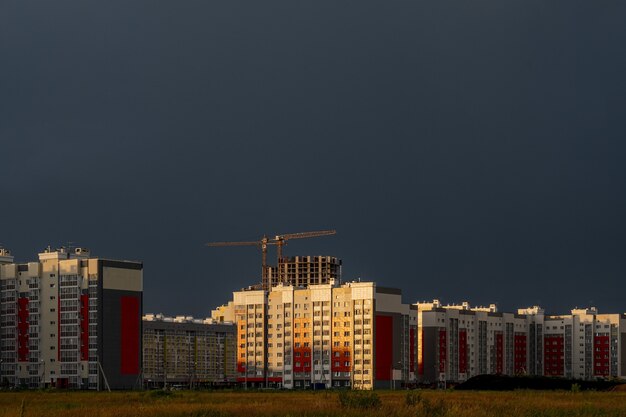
[{"x": 279, "y": 241}]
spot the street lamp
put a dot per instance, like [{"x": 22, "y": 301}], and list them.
[{"x": 392, "y": 381}]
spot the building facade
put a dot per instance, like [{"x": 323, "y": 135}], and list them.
[
  {"x": 456, "y": 342},
  {"x": 584, "y": 344},
  {"x": 354, "y": 335},
  {"x": 70, "y": 321},
  {"x": 188, "y": 352}
]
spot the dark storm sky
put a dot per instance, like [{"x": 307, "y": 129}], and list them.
[{"x": 464, "y": 150}]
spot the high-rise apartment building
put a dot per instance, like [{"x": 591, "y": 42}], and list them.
[
  {"x": 354, "y": 335},
  {"x": 584, "y": 344},
  {"x": 188, "y": 352},
  {"x": 70, "y": 320},
  {"x": 456, "y": 342}
]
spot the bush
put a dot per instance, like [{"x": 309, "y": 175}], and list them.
[
  {"x": 436, "y": 408},
  {"x": 413, "y": 398},
  {"x": 575, "y": 388},
  {"x": 161, "y": 393},
  {"x": 359, "y": 399}
]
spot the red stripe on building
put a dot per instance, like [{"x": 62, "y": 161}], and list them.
[
  {"x": 499, "y": 353},
  {"x": 463, "y": 351},
  {"x": 443, "y": 350},
  {"x": 302, "y": 359},
  {"x": 84, "y": 327},
  {"x": 554, "y": 355},
  {"x": 519, "y": 349},
  {"x": 22, "y": 329},
  {"x": 384, "y": 347},
  {"x": 129, "y": 346},
  {"x": 341, "y": 357},
  {"x": 601, "y": 355}
]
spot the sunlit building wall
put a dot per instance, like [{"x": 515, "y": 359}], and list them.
[{"x": 354, "y": 335}]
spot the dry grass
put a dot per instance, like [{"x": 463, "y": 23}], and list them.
[{"x": 313, "y": 404}]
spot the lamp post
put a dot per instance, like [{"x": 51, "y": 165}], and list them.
[
  {"x": 43, "y": 374},
  {"x": 392, "y": 381}
]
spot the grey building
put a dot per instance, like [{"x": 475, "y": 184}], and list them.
[{"x": 187, "y": 352}]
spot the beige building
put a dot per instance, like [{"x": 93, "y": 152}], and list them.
[
  {"x": 354, "y": 335},
  {"x": 70, "y": 320}
]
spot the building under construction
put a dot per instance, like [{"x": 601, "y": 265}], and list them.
[
  {"x": 299, "y": 270},
  {"x": 302, "y": 271}
]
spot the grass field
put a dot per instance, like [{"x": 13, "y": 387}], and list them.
[{"x": 396, "y": 403}]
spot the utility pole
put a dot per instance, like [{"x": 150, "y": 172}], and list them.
[
  {"x": 100, "y": 369},
  {"x": 43, "y": 374}
]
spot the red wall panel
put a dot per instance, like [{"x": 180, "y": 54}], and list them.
[
  {"x": 22, "y": 329},
  {"x": 601, "y": 355},
  {"x": 463, "y": 351},
  {"x": 520, "y": 353},
  {"x": 553, "y": 364},
  {"x": 341, "y": 356},
  {"x": 499, "y": 353},
  {"x": 129, "y": 349},
  {"x": 384, "y": 347},
  {"x": 443, "y": 350},
  {"x": 84, "y": 327}
]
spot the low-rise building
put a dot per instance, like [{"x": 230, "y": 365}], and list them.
[{"x": 183, "y": 351}]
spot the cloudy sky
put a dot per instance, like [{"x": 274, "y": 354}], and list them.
[{"x": 463, "y": 150}]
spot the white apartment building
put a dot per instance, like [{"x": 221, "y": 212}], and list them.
[
  {"x": 583, "y": 344},
  {"x": 70, "y": 320},
  {"x": 456, "y": 342}
]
